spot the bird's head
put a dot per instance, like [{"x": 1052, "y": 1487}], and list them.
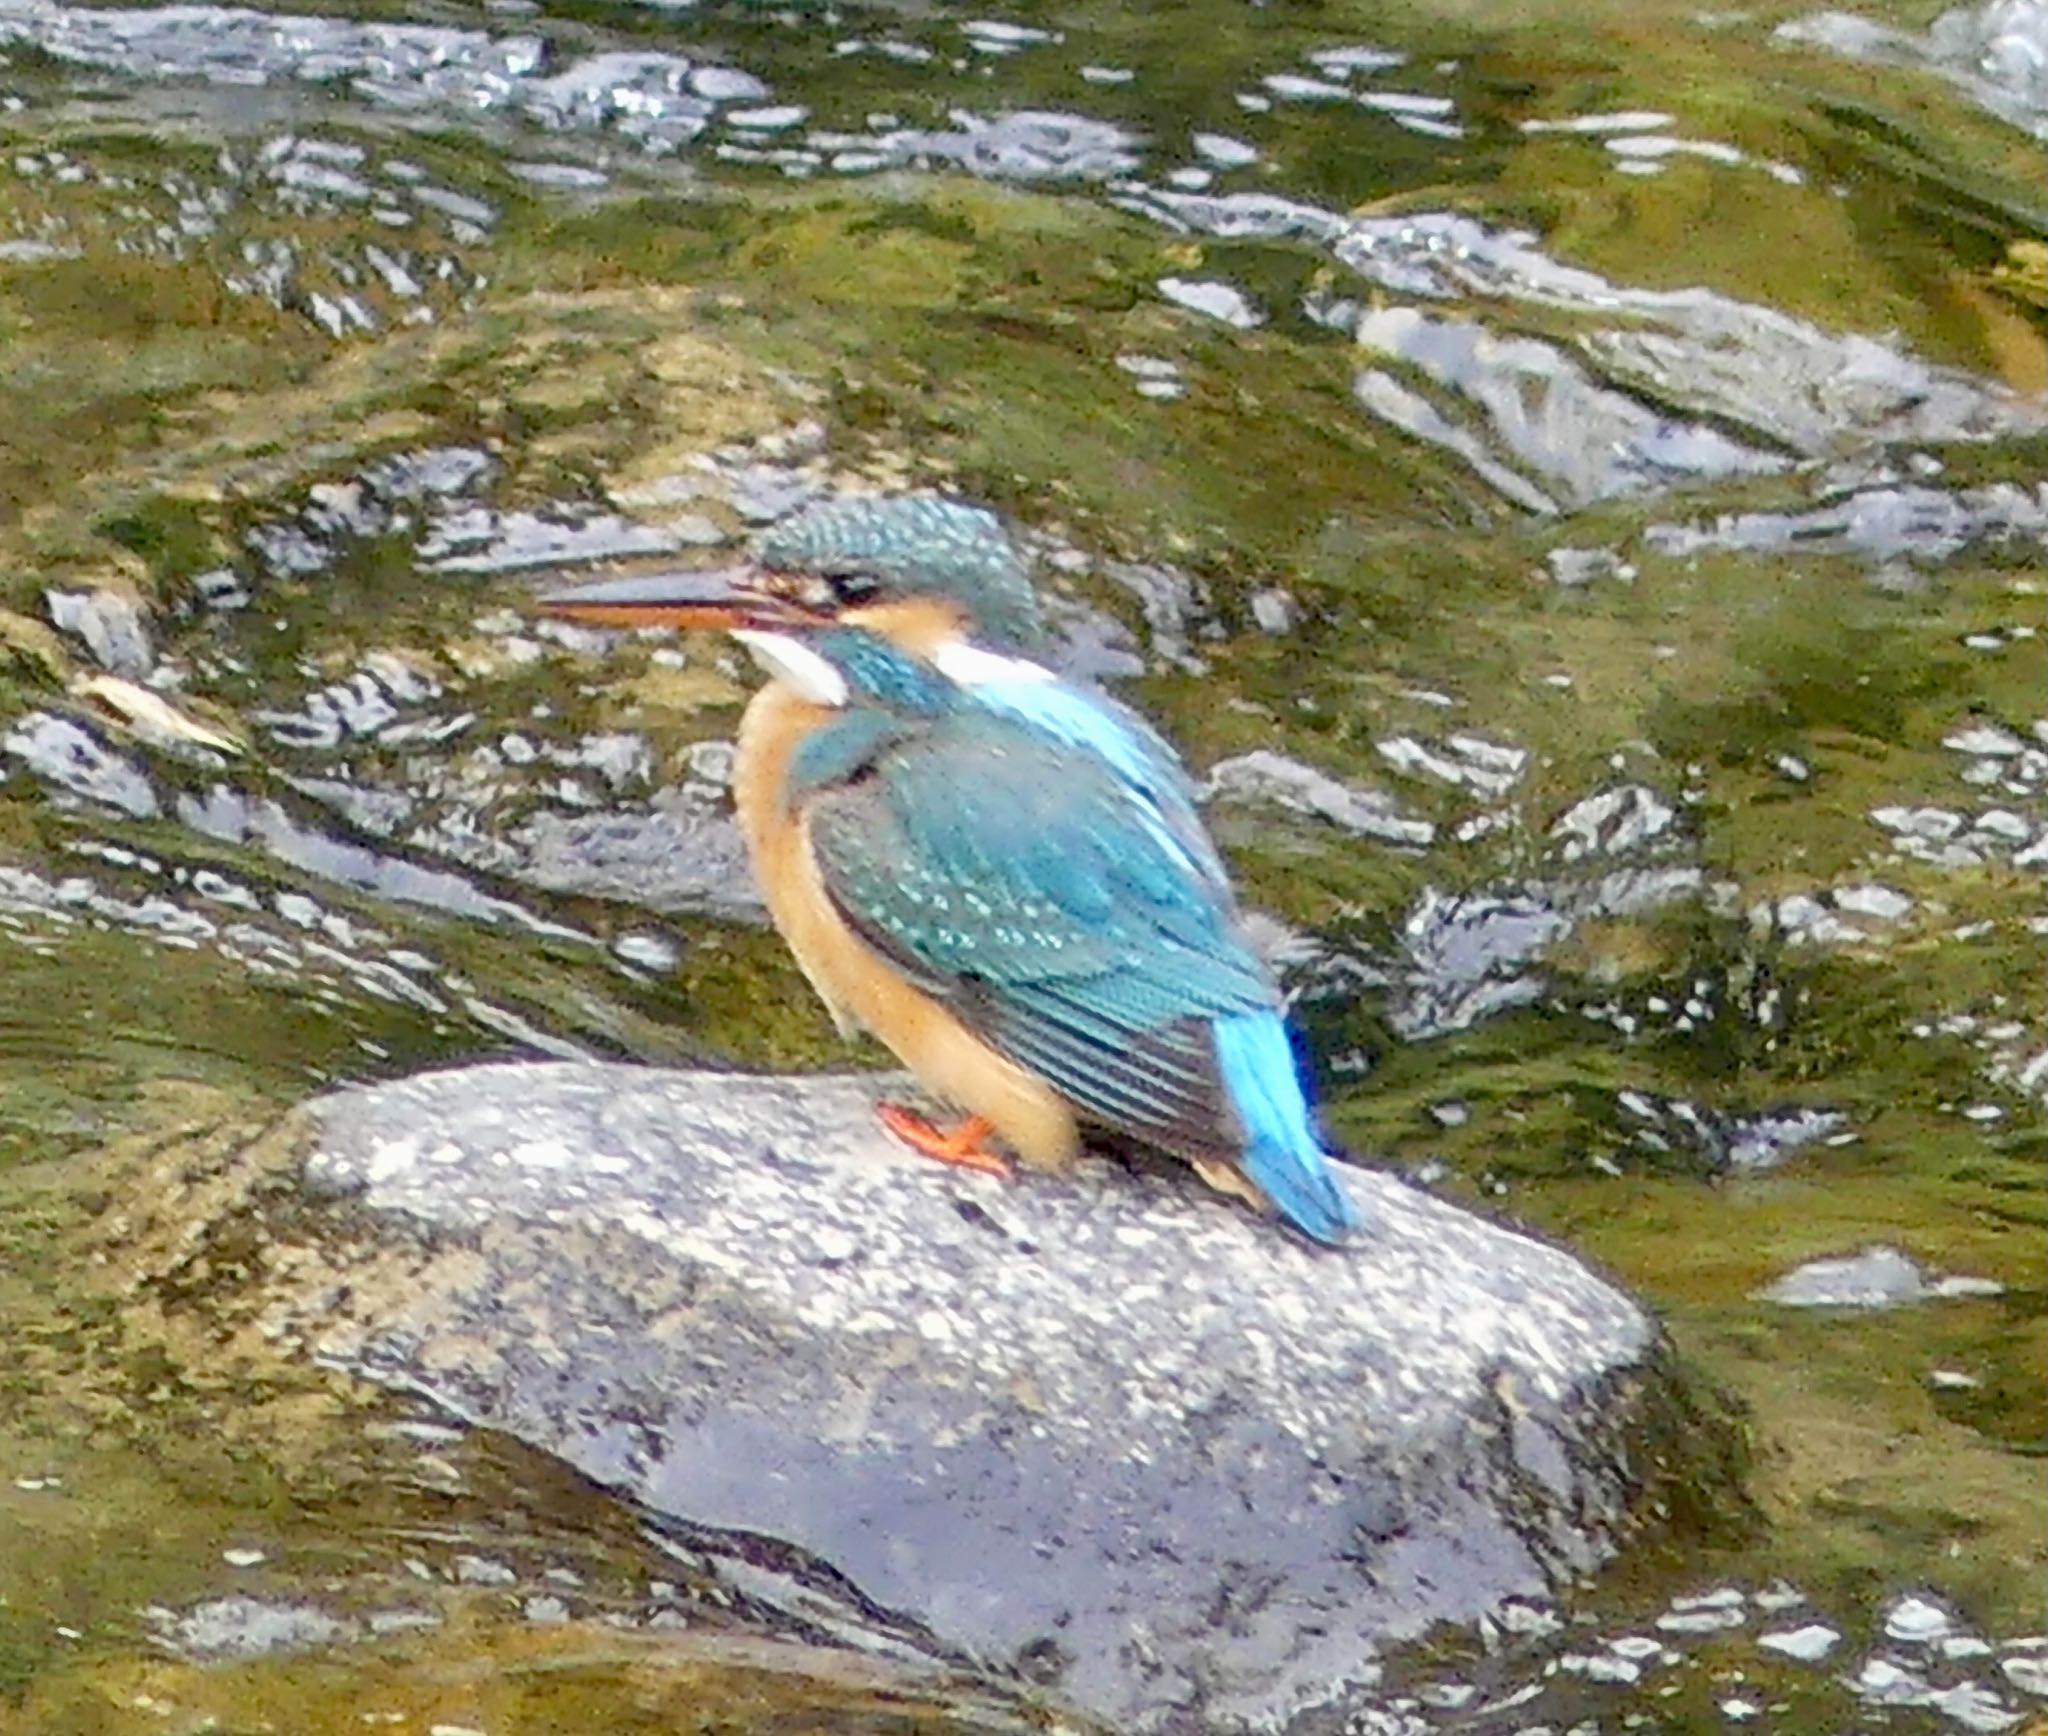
[{"x": 917, "y": 571}]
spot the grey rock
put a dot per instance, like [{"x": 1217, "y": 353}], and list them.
[
  {"x": 1266, "y": 776},
  {"x": 1221, "y": 151},
  {"x": 1883, "y": 1682},
  {"x": 482, "y": 1570},
  {"x": 1997, "y": 52},
  {"x": 683, "y": 853},
  {"x": 1274, "y": 610},
  {"x": 1105, "y": 1428},
  {"x": 1087, "y": 643},
  {"x": 479, "y": 540},
  {"x": 1700, "y": 1621},
  {"x": 113, "y": 627},
  {"x": 1292, "y": 87},
  {"x": 727, "y": 84},
  {"x": 1661, "y": 370},
  {"x": 1467, "y": 760},
  {"x": 645, "y": 97},
  {"x": 1915, "y": 1621},
  {"x": 1876, "y": 1277},
  {"x": 1380, "y": 394},
  {"x": 1342, "y": 62},
  {"x": 430, "y": 473},
  {"x": 1465, "y": 957},
  {"x": 244, "y": 1627},
  {"x": 1879, "y": 903},
  {"x": 1022, "y": 145},
  {"x": 1985, "y": 739},
  {"x": 221, "y": 588},
  {"x": 1572, "y": 434},
  {"x": 70, "y": 757},
  {"x": 1721, "y": 1597},
  {"x": 1726, "y": 1142},
  {"x": 1808, "y": 1644},
  {"x": 774, "y": 119},
  {"x": 1884, "y": 526},
  {"x": 763, "y": 493},
  {"x": 367, "y": 703},
  {"x": 1765, "y": 1141},
  {"x": 1573, "y": 567},
  {"x": 2003, "y": 42},
  {"x": 1797, "y": 912},
  {"x": 287, "y": 551},
  {"x": 234, "y": 817},
  {"x": 2029, "y": 1675},
  {"x": 989, "y": 34},
  {"x": 1613, "y": 822},
  {"x": 1218, "y": 301},
  {"x": 1176, "y": 606}
]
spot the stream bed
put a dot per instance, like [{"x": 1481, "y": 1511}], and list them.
[{"x": 1573, "y": 479}]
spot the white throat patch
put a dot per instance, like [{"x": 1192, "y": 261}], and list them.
[
  {"x": 791, "y": 660},
  {"x": 970, "y": 666}
]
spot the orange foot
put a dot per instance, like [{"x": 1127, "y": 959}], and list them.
[{"x": 965, "y": 1144}]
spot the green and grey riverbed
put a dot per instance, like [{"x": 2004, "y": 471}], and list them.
[{"x": 1575, "y": 479}]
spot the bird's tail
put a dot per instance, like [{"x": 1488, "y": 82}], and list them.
[{"x": 1282, "y": 1155}]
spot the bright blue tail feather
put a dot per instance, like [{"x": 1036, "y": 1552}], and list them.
[{"x": 1282, "y": 1154}]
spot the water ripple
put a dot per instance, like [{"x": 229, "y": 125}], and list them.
[
  {"x": 661, "y": 101},
  {"x": 1997, "y": 52}
]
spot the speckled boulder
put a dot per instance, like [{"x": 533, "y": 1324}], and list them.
[{"x": 1105, "y": 1430}]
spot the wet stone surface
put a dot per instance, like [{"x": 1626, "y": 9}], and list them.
[
  {"x": 734, "y": 1299},
  {"x": 1996, "y": 51},
  {"x": 1614, "y": 661},
  {"x": 1878, "y": 1277}
]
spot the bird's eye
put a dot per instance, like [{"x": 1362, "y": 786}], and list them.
[{"x": 853, "y": 588}]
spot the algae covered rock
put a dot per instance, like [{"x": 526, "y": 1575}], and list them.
[{"x": 1103, "y": 1430}]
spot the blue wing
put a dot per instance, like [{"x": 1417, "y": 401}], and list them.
[
  {"x": 1082, "y": 930},
  {"x": 1141, "y": 758}
]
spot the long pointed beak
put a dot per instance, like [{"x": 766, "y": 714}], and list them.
[{"x": 714, "y": 597}]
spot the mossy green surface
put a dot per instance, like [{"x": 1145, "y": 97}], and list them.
[{"x": 946, "y": 330}]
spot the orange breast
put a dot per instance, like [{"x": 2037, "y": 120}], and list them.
[{"x": 858, "y": 985}]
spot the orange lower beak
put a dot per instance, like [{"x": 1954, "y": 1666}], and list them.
[{"x": 709, "y": 597}]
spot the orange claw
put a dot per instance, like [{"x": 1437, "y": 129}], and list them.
[{"x": 964, "y": 1145}]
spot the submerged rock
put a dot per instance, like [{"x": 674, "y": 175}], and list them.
[
  {"x": 1884, "y": 525},
  {"x": 1875, "y": 1277},
  {"x": 243, "y": 1627},
  {"x": 1287, "y": 783},
  {"x": 681, "y": 853},
  {"x": 1997, "y": 52},
  {"x": 1106, "y": 1431},
  {"x": 70, "y": 758},
  {"x": 113, "y": 627}
]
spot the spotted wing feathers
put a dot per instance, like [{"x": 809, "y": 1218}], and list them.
[{"x": 1065, "y": 925}]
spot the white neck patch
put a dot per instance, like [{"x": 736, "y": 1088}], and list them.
[
  {"x": 971, "y": 666},
  {"x": 791, "y": 660}
]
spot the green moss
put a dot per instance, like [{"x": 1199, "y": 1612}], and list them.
[
  {"x": 1805, "y": 665},
  {"x": 145, "y": 1435},
  {"x": 948, "y": 330},
  {"x": 176, "y": 537}
]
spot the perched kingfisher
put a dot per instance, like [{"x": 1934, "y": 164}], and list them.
[{"x": 999, "y": 874}]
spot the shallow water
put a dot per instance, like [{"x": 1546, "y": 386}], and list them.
[{"x": 1572, "y": 477}]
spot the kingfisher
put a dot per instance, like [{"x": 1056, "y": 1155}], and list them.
[{"x": 999, "y": 874}]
